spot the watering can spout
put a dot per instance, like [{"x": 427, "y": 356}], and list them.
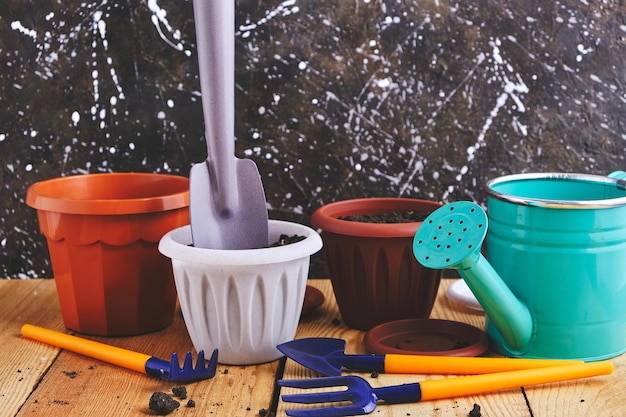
[
  {"x": 508, "y": 314},
  {"x": 451, "y": 237}
]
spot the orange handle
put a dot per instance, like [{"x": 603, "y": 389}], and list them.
[
  {"x": 477, "y": 384},
  {"x": 416, "y": 364},
  {"x": 111, "y": 354}
]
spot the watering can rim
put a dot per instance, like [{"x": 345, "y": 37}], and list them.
[{"x": 616, "y": 179}]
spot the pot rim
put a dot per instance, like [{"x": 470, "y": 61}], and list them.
[
  {"x": 151, "y": 192},
  {"x": 559, "y": 204},
  {"x": 327, "y": 216},
  {"x": 176, "y": 244}
]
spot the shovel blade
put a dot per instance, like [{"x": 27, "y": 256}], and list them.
[
  {"x": 321, "y": 354},
  {"x": 215, "y": 226}
]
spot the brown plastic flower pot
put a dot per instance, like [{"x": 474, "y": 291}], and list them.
[
  {"x": 102, "y": 232},
  {"x": 375, "y": 277}
]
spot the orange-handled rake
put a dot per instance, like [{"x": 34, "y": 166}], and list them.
[
  {"x": 362, "y": 398},
  {"x": 166, "y": 370}
]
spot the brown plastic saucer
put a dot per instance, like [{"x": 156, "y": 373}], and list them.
[
  {"x": 313, "y": 298},
  {"x": 426, "y": 337}
]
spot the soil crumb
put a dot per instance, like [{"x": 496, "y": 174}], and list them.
[
  {"x": 162, "y": 403},
  {"x": 180, "y": 392},
  {"x": 475, "y": 411}
]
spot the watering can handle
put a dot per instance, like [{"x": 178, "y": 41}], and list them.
[{"x": 618, "y": 175}]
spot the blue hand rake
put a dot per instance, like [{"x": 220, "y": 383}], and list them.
[{"x": 362, "y": 397}]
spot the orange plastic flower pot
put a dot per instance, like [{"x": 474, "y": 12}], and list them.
[
  {"x": 375, "y": 277},
  {"x": 102, "y": 232}
]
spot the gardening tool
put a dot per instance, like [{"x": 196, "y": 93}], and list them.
[
  {"x": 555, "y": 282},
  {"x": 226, "y": 198},
  {"x": 326, "y": 356},
  {"x": 168, "y": 371},
  {"x": 363, "y": 398}
]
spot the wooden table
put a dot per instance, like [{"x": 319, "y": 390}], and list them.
[{"x": 36, "y": 379}]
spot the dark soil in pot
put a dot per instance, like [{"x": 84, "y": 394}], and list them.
[
  {"x": 398, "y": 216},
  {"x": 287, "y": 240}
]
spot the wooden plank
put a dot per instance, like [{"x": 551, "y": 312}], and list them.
[
  {"x": 591, "y": 397},
  {"x": 24, "y": 364},
  {"x": 74, "y": 385},
  {"x": 78, "y": 386}
]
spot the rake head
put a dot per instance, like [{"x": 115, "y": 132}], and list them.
[
  {"x": 171, "y": 371},
  {"x": 359, "y": 396}
]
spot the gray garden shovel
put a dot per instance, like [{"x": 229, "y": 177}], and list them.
[{"x": 226, "y": 197}]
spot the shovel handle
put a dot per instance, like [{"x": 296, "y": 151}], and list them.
[
  {"x": 215, "y": 37},
  {"x": 107, "y": 353},
  {"x": 417, "y": 364},
  {"x": 478, "y": 384}
]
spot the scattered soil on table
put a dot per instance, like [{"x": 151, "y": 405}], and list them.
[
  {"x": 162, "y": 403},
  {"x": 396, "y": 216}
]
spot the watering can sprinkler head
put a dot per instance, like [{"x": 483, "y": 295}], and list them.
[{"x": 451, "y": 237}]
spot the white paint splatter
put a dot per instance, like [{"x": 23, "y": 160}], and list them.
[
  {"x": 510, "y": 89},
  {"x": 31, "y": 33},
  {"x": 595, "y": 78},
  {"x": 159, "y": 20},
  {"x": 286, "y": 8},
  {"x": 384, "y": 83}
]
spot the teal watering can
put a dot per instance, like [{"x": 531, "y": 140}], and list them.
[{"x": 555, "y": 282}]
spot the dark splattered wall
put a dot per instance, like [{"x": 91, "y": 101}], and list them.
[{"x": 334, "y": 99}]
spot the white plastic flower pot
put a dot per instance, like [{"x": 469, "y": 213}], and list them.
[{"x": 242, "y": 302}]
